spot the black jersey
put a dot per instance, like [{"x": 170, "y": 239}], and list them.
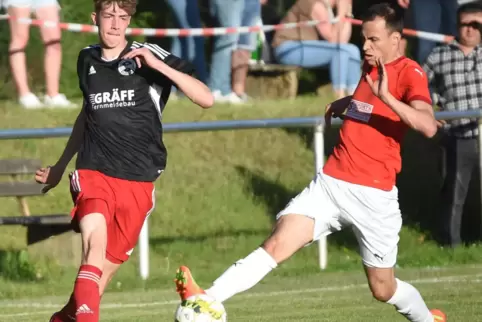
[{"x": 124, "y": 106}]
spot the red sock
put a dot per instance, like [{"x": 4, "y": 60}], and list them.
[{"x": 86, "y": 294}]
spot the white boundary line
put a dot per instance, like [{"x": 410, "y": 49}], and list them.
[{"x": 474, "y": 278}]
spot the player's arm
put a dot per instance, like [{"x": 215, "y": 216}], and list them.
[
  {"x": 51, "y": 176},
  {"x": 415, "y": 108},
  {"x": 193, "y": 88},
  {"x": 336, "y": 109},
  {"x": 74, "y": 142},
  {"x": 175, "y": 69},
  {"x": 418, "y": 115}
]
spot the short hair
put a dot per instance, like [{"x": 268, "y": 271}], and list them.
[
  {"x": 393, "y": 17},
  {"x": 472, "y": 7},
  {"x": 128, "y": 5}
]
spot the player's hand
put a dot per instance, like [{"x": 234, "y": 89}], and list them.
[
  {"x": 380, "y": 86},
  {"x": 336, "y": 109},
  {"x": 50, "y": 176},
  {"x": 404, "y": 3},
  {"x": 142, "y": 56},
  {"x": 441, "y": 123}
]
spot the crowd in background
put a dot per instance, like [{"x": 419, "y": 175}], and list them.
[{"x": 454, "y": 70}]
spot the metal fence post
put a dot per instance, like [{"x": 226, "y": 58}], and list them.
[
  {"x": 144, "y": 251},
  {"x": 319, "y": 147}
]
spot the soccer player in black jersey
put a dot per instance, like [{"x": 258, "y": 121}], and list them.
[{"x": 118, "y": 138}]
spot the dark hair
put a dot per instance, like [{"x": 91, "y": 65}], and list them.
[
  {"x": 393, "y": 17},
  {"x": 472, "y": 7},
  {"x": 128, "y": 5}
]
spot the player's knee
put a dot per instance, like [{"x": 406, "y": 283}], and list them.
[
  {"x": 94, "y": 239},
  {"x": 271, "y": 246}
]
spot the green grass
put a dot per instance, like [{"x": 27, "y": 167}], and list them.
[
  {"x": 217, "y": 199},
  {"x": 334, "y": 297}
]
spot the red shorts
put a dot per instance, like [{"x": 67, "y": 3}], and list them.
[{"x": 125, "y": 205}]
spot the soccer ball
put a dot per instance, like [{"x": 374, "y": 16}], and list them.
[{"x": 200, "y": 308}]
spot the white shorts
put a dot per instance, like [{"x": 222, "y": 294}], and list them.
[
  {"x": 373, "y": 214},
  {"x": 33, "y": 4}
]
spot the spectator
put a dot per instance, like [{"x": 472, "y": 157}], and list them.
[
  {"x": 191, "y": 49},
  {"x": 232, "y": 13},
  {"x": 246, "y": 45},
  {"x": 438, "y": 16},
  {"x": 455, "y": 74},
  {"x": 19, "y": 35},
  {"x": 325, "y": 44}
]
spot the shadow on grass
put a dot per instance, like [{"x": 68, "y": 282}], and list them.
[
  {"x": 276, "y": 197},
  {"x": 159, "y": 241}
]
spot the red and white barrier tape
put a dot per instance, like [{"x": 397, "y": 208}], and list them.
[{"x": 206, "y": 32}]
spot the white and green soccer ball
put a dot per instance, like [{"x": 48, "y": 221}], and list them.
[{"x": 200, "y": 308}]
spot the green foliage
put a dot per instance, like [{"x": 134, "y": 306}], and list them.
[{"x": 16, "y": 265}]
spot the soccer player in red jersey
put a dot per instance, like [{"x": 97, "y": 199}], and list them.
[
  {"x": 120, "y": 151},
  {"x": 356, "y": 187}
]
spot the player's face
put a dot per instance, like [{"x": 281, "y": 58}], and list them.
[
  {"x": 112, "y": 22},
  {"x": 379, "y": 41},
  {"x": 469, "y": 34}
]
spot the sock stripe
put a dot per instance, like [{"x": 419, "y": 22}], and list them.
[{"x": 89, "y": 276}]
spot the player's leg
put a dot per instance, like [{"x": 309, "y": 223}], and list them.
[
  {"x": 85, "y": 299},
  {"x": 403, "y": 296},
  {"x": 93, "y": 229},
  {"x": 291, "y": 233},
  {"x": 93, "y": 204},
  {"x": 307, "y": 217},
  {"x": 376, "y": 219},
  {"x": 67, "y": 313}
]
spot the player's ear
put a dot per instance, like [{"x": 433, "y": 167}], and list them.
[
  {"x": 396, "y": 38},
  {"x": 93, "y": 16}
]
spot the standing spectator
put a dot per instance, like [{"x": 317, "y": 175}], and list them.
[
  {"x": 455, "y": 74},
  {"x": 247, "y": 43},
  {"x": 438, "y": 16},
  {"x": 231, "y": 13},
  {"x": 19, "y": 35},
  {"x": 191, "y": 49},
  {"x": 325, "y": 44}
]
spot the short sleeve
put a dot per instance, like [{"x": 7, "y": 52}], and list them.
[
  {"x": 168, "y": 58},
  {"x": 414, "y": 85},
  {"x": 82, "y": 69}
]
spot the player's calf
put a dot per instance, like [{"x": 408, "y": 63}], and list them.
[
  {"x": 406, "y": 298},
  {"x": 86, "y": 289}
]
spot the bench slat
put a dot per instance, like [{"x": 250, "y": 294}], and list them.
[
  {"x": 19, "y": 166},
  {"x": 20, "y": 189}
]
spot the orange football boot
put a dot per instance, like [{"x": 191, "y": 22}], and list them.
[
  {"x": 186, "y": 286},
  {"x": 438, "y": 316}
]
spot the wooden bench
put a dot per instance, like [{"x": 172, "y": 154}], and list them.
[
  {"x": 272, "y": 81},
  {"x": 47, "y": 235}
]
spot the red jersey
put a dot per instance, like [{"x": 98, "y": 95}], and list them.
[{"x": 368, "y": 153}]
